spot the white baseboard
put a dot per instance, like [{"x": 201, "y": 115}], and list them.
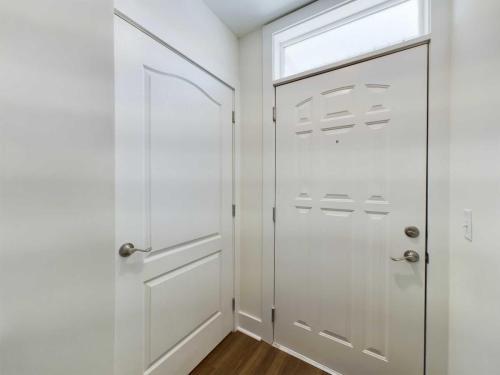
[
  {"x": 250, "y": 325},
  {"x": 306, "y": 359},
  {"x": 248, "y": 333}
]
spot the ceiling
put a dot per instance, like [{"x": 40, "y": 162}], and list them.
[{"x": 242, "y": 16}]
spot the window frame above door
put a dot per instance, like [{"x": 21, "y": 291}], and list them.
[{"x": 340, "y": 13}]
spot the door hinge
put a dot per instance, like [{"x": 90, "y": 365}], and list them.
[
  {"x": 234, "y": 305},
  {"x": 234, "y": 210},
  {"x": 274, "y": 114},
  {"x": 426, "y": 257},
  {"x": 273, "y": 314},
  {"x": 233, "y": 117},
  {"x": 274, "y": 214}
]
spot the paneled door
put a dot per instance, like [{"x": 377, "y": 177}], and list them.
[
  {"x": 174, "y": 271},
  {"x": 351, "y": 216}
]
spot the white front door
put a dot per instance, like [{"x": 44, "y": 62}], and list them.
[
  {"x": 351, "y": 176},
  {"x": 173, "y": 195}
]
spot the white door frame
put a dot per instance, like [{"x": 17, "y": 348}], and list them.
[
  {"x": 269, "y": 168},
  {"x": 437, "y": 181},
  {"x": 438, "y": 175},
  {"x": 235, "y": 149}
]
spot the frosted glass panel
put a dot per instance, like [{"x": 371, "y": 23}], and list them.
[{"x": 371, "y": 32}]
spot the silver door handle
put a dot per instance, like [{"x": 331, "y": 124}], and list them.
[
  {"x": 409, "y": 255},
  {"x": 127, "y": 249}
]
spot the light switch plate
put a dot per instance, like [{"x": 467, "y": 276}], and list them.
[{"x": 468, "y": 224}]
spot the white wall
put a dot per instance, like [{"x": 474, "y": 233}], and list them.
[
  {"x": 57, "y": 168},
  {"x": 250, "y": 301},
  {"x": 475, "y": 184},
  {"x": 192, "y": 28},
  {"x": 56, "y": 187},
  {"x": 438, "y": 201}
]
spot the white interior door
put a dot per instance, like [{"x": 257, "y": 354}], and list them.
[
  {"x": 173, "y": 195},
  {"x": 351, "y": 176}
]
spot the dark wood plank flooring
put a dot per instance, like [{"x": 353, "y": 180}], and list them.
[{"x": 242, "y": 355}]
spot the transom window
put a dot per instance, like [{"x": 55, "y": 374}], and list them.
[{"x": 352, "y": 28}]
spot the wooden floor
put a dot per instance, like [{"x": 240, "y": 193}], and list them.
[{"x": 240, "y": 354}]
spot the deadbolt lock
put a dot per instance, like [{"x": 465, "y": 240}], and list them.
[{"x": 412, "y": 232}]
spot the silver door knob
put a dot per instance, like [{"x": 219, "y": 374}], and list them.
[
  {"x": 127, "y": 249},
  {"x": 409, "y": 255}
]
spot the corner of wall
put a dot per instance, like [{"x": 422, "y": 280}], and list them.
[
  {"x": 249, "y": 265},
  {"x": 437, "y": 338}
]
